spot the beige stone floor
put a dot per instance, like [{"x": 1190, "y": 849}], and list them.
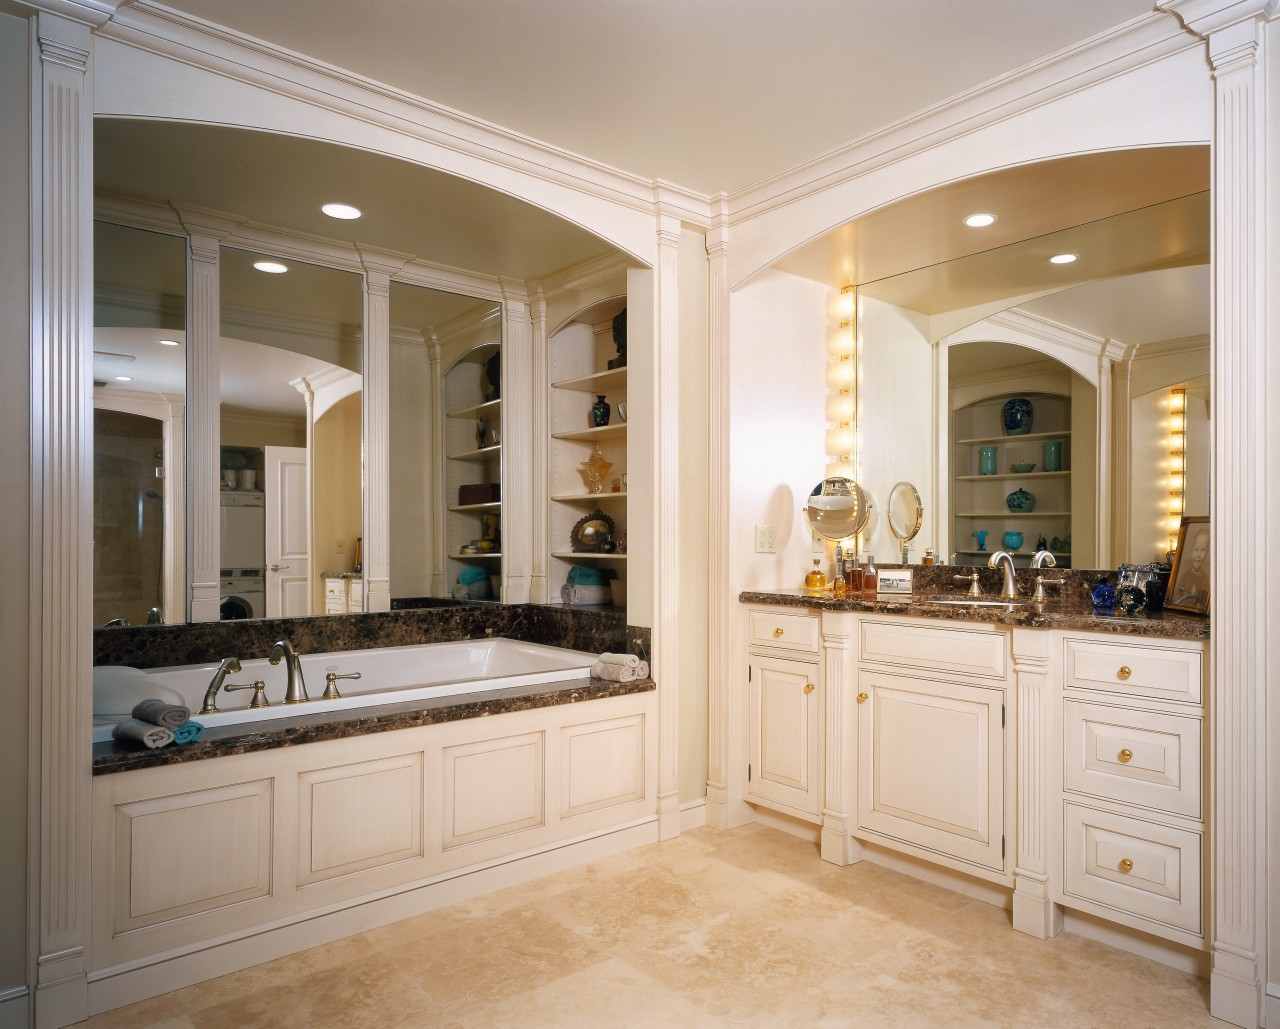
[{"x": 745, "y": 928}]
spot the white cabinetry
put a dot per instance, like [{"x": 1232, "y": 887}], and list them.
[
  {"x": 473, "y": 463},
  {"x": 343, "y": 595}
]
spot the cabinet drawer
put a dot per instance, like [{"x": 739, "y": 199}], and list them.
[
  {"x": 1135, "y": 866},
  {"x": 943, "y": 648},
  {"x": 1136, "y": 757},
  {"x": 1164, "y": 673},
  {"x": 785, "y": 631}
]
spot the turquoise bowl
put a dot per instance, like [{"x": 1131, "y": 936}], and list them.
[{"x": 1012, "y": 540}]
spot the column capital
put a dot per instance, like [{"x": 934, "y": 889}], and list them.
[
  {"x": 1206, "y": 17},
  {"x": 93, "y": 13},
  {"x": 381, "y": 264}
]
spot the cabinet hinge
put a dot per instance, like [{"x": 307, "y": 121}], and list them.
[
  {"x": 1001, "y": 716},
  {"x": 748, "y": 773},
  {"x": 749, "y": 670},
  {"x": 1001, "y": 848}
]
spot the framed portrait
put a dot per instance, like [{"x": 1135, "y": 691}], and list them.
[{"x": 1189, "y": 580}]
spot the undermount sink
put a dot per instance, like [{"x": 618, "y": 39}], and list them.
[{"x": 973, "y": 602}]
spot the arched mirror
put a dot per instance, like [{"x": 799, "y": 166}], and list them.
[
  {"x": 838, "y": 508},
  {"x": 904, "y": 513}
]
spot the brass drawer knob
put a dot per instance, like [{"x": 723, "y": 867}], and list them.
[
  {"x": 1124, "y": 673},
  {"x": 862, "y": 698},
  {"x": 777, "y": 632},
  {"x": 809, "y": 687},
  {"x": 1125, "y": 756},
  {"x": 1126, "y": 865}
]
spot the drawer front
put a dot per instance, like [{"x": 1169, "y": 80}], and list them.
[
  {"x": 785, "y": 631},
  {"x": 1142, "y": 868},
  {"x": 968, "y": 651},
  {"x": 1136, "y": 757},
  {"x": 1164, "y": 673}
]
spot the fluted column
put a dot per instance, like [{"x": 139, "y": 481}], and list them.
[
  {"x": 1034, "y": 911},
  {"x": 1121, "y": 458},
  {"x": 541, "y": 433},
  {"x": 439, "y": 581},
  {"x": 839, "y": 738},
  {"x": 517, "y": 447}
]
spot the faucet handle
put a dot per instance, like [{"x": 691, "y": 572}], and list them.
[
  {"x": 259, "y": 691},
  {"x": 1041, "y": 583},
  {"x": 331, "y": 684},
  {"x": 972, "y": 580}
]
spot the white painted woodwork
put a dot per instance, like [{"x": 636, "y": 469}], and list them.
[
  {"x": 288, "y": 532},
  {"x": 839, "y": 738},
  {"x": 785, "y": 749},
  {"x": 539, "y": 531},
  {"x": 1148, "y": 758},
  {"x": 602, "y": 764},
  {"x": 779, "y": 631},
  {"x": 1163, "y": 672},
  {"x": 493, "y": 787},
  {"x": 1162, "y": 883},
  {"x": 517, "y": 449},
  {"x": 359, "y": 816},
  {"x": 931, "y": 765},
  {"x": 440, "y": 585},
  {"x": 182, "y": 854},
  {"x": 944, "y": 648}
]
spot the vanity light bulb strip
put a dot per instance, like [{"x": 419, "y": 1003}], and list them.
[{"x": 1177, "y": 463}]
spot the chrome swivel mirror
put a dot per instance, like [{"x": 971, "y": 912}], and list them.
[
  {"x": 905, "y": 512},
  {"x": 837, "y": 509}
]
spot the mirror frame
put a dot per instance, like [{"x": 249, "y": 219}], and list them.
[
  {"x": 907, "y": 536},
  {"x": 861, "y": 505}
]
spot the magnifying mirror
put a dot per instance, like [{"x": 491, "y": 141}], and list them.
[
  {"x": 838, "y": 508},
  {"x": 905, "y": 513}
]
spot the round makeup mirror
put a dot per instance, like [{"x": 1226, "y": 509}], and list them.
[
  {"x": 838, "y": 508},
  {"x": 905, "y": 512}
]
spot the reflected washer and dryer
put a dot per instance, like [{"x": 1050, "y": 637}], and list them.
[{"x": 242, "y": 555}]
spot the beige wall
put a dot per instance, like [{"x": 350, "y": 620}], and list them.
[
  {"x": 336, "y": 494},
  {"x": 15, "y": 414}
]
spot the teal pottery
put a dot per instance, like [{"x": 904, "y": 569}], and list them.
[
  {"x": 1017, "y": 415},
  {"x": 986, "y": 460},
  {"x": 1020, "y": 501},
  {"x": 1053, "y": 455},
  {"x": 1012, "y": 540},
  {"x": 600, "y": 412},
  {"x": 981, "y": 535}
]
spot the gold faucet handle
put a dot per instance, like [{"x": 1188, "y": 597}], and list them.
[
  {"x": 259, "y": 691},
  {"x": 331, "y": 678},
  {"x": 1041, "y": 583},
  {"x": 972, "y": 580}
]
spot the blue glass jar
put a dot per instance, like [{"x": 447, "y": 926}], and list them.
[
  {"x": 1017, "y": 414},
  {"x": 1103, "y": 594},
  {"x": 1020, "y": 501},
  {"x": 1053, "y": 455},
  {"x": 1012, "y": 540},
  {"x": 986, "y": 460}
]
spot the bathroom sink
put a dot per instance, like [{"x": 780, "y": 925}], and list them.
[{"x": 973, "y": 602}]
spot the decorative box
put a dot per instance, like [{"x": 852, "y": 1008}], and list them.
[{"x": 479, "y": 493}]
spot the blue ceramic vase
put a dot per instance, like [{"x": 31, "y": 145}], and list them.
[
  {"x": 1053, "y": 455},
  {"x": 1017, "y": 416},
  {"x": 1012, "y": 540},
  {"x": 600, "y": 411},
  {"x": 1020, "y": 501}
]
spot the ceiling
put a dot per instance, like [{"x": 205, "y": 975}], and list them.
[{"x": 709, "y": 94}]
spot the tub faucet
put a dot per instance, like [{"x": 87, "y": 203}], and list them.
[
  {"x": 1008, "y": 588},
  {"x": 227, "y": 666},
  {"x": 1046, "y": 559},
  {"x": 295, "y": 688}
]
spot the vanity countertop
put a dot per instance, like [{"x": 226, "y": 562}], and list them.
[
  {"x": 1066, "y": 613},
  {"x": 295, "y": 729}
]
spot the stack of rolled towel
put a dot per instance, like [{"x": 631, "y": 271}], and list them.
[
  {"x": 157, "y": 724},
  {"x": 620, "y": 667}
]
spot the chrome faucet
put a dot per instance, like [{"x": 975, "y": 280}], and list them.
[
  {"x": 1008, "y": 588},
  {"x": 295, "y": 688},
  {"x": 1046, "y": 559},
  {"x": 227, "y": 666},
  {"x": 155, "y": 616},
  {"x": 1043, "y": 557}
]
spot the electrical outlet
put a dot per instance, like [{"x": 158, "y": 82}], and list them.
[
  {"x": 766, "y": 539},
  {"x": 340, "y": 547}
]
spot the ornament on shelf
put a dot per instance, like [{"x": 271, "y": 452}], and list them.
[{"x": 594, "y": 470}]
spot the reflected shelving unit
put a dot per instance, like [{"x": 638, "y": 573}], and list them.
[
  {"x": 473, "y": 458},
  {"x": 579, "y": 355},
  {"x": 979, "y": 501}
]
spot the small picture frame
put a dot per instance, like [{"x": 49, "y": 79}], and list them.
[{"x": 1191, "y": 576}]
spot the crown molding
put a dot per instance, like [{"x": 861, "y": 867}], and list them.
[
  {"x": 1170, "y": 347},
  {"x": 582, "y": 275},
  {"x": 1059, "y": 334},
  {"x": 94, "y": 13},
  {"x": 1132, "y": 45},
  {"x": 1205, "y": 17}
]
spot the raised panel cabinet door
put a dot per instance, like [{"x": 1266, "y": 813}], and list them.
[
  {"x": 785, "y": 742},
  {"x": 931, "y": 765}
]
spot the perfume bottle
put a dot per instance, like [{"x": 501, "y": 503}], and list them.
[
  {"x": 815, "y": 581},
  {"x": 870, "y": 577},
  {"x": 839, "y": 587}
]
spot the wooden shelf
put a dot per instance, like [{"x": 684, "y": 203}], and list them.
[
  {"x": 483, "y": 454},
  {"x": 602, "y": 432},
  {"x": 587, "y": 498},
  {"x": 1013, "y": 475},
  {"x": 596, "y": 382},
  {"x": 477, "y": 410},
  {"x": 493, "y": 506},
  {"x": 476, "y": 557},
  {"x": 1030, "y": 437},
  {"x": 573, "y": 555},
  {"x": 1014, "y": 514}
]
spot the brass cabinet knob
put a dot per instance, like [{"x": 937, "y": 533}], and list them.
[
  {"x": 809, "y": 687},
  {"x": 1124, "y": 673},
  {"x": 1126, "y": 865},
  {"x": 777, "y": 633},
  {"x": 862, "y": 698},
  {"x": 1125, "y": 756}
]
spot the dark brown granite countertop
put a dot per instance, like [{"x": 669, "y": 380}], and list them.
[
  {"x": 293, "y": 730},
  {"x": 1069, "y": 612}
]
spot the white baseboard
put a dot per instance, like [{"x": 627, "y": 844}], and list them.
[
  {"x": 117, "y": 986},
  {"x": 949, "y": 879},
  {"x": 1135, "y": 941},
  {"x": 693, "y": 815},
  {"x": 786, "y": 823},
  {"x": 15, "y": 1008},
  {"x": 1271, "y": 1007}
]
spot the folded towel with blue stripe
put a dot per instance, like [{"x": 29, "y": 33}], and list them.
[
  {"x": 157, "y": 712},
  {"x": 132, "y": 730},
  {"x": 188, "y": 732}
]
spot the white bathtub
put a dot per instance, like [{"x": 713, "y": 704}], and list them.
[{"x": 389, "y": 675}]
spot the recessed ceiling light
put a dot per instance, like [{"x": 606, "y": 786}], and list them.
[
  {"x": 124, "y": 378},
  {"x": 979, "y": 221},
  {"x": 344, "y": 211},
  {"x": 168, "y": 342},
  {"x": 1063, "y": 258},
  {"x": 271, "y": 267}
]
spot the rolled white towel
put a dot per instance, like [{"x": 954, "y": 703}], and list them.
[
  {"x": 626, "y": 660},
  {"x": 149, "y": 735},
  {"x": 642, "y": 670},
  {"x": 613, "y": 673}
]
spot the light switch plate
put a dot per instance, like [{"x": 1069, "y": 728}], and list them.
[{"x": 766, "y": 539}]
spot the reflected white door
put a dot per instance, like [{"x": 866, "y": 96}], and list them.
[{"x": 288, "y": 549}]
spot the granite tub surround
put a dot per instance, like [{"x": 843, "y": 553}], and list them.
[
  {"x": 297, "y": 727},
  {"x": 158, "y": 646},
  {"x": 1068, "y": 607}
]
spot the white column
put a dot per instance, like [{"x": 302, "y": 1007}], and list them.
[
  {"x": 541, "y": 434},
  {"x": 439, "y": 582},
  {"x": 517, "y": 448},
  {"x": 1242, "y": 523},
  {"x": 840, "y": 733},
  {"x": 1103, "y": 505},
  {"x": 1034, "y": 911},
  {"x": 61, "y": 581},
  {"x": 1121, "y": 459}
]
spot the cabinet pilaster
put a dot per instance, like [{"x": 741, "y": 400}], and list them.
[
  {"x": 838, "y": 739},
  {"x": 517, "y": 447}
]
